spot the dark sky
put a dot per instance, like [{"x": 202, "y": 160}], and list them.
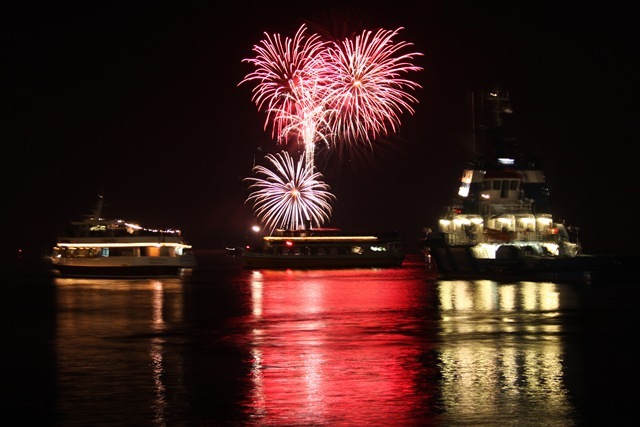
[{"x": 139, "y": 102}]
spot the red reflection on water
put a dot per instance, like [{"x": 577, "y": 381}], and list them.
[{"x": 339, "y": 347}]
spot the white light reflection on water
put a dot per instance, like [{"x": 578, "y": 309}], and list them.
[
  {"x": 102, "y": 357},
  {"x": 505, "y": 362}
]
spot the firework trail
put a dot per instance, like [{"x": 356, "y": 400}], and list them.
[{"x": 292, "y": 196}]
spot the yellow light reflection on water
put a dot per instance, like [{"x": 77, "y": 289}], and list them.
[
  {"x": 143, "y": 305},
  {"x": 485, "y": 375}
]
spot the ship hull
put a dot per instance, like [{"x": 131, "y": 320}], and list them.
[
  {"x": 123, "y": 266},
  {"x": 324, "y": 249},
  {"x": 138, "y": 271},
  {"x": 459, "y": 263}
]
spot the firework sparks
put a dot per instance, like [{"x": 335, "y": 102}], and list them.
[
  {"x": 310, "y": 124},
  {"x": 292, "y": 196},
  {"x": 343, "y": 92},
  {"x": 286, "y": 75},
  {"x": 365, "y": 85}
]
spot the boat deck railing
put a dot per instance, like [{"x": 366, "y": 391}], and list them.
[{"x": 461, "y": 238}]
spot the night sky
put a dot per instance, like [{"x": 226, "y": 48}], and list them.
[{"x": 139, "y": 102}]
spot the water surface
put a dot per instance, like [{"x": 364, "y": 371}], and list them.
[{"x": 230, "y": 347}]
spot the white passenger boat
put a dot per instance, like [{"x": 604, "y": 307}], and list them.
[
  {"x": 324, "y": 248},
  {"x": 98, "y": 247}
]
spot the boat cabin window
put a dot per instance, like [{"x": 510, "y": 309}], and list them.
[
  {"x": 115, "y": 252},
  {"x": 502, "y": 185}
]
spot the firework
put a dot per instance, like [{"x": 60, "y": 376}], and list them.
[
  {"x": 286, "y": 75},
  {"x": 342, "y": 92},
  {"x": 366, "y": 90},
  {"x": 291, "y": 196}
]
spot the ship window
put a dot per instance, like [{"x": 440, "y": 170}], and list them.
[
  {"x": 153, "y": 251},
  {"x": 166, "y": 251},
  {"x": 496, "y": 184},
  {"x": 505, "y": 189},
  {"x": 122, "y": 252}
]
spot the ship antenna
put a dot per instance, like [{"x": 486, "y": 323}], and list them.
[
  {"x": 501, "y": 105},
  {"x": 97, "y": 211}
]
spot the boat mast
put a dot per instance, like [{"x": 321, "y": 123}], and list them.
[
  {"x": 497, "y": 104},
  {"x": 472, "y": 125}
]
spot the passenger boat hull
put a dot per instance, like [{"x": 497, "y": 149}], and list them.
[
  {"x": 123, "y": 266},
  {"x": 324, "y": 248},
  {"x": 126, "y": 271}
]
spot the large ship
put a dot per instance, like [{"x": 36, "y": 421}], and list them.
[
  {"x": 97, "y": 247},
  {"x": 324, "y": 248},
  {"x": 500, "y": 224}
]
